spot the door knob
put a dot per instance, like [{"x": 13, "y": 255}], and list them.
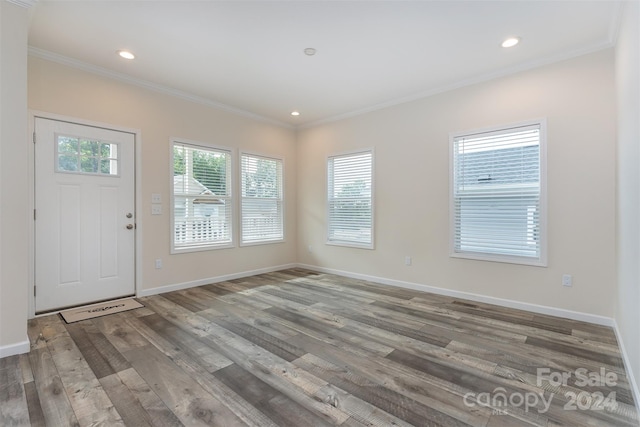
[
  {"x": 129, "y": 226},
  {"x": 129, "y": 215}
]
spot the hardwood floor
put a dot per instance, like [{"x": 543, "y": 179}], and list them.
[{"x": 298, "y": 348}]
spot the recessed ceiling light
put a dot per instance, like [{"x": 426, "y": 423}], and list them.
[
  {"x": 511, "y": 41},
  {"x": 126, "y": 54},
  {"x": 295, "y": 113},
  {"x": 309, "y": 51}
]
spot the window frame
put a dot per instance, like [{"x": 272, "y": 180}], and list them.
[
  {"x": 347, "y": 243},
  {"x": 177, "y": 249},
  {"x": 541, "y": 260},
  {"x": 241, "y": 198}
]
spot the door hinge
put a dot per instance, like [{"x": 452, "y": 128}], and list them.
[
  {"x": 34, "y": 214},
  {"x": 34, "y": 137},
  {"x": 34, "y": 290}
]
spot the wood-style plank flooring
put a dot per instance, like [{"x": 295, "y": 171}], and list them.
[{"x": 299, "y": 348}]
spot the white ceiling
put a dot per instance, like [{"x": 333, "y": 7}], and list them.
[{"x": 248, "y": 55}]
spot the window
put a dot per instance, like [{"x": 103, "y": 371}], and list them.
[
  {"x": 497, "y": 197},
  {"x": 262, "y": 201},
  {"x": 202, "y": 203},
  {"x": 350, "y": 199},
  {"x": 86, "y": 156}
]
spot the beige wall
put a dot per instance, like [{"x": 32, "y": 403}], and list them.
[
  {"x": 628, "y": 230},
  {"x": 14, "y": 243},
  {"x": 577, "y": 98},
  {"x": 71, "y": 92}
]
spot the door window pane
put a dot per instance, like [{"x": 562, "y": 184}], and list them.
[{"x": 81, "y": 155}]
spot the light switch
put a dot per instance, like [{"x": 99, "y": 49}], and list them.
[
  {"x": 156, "y": 198},
  {"x": 156, "y": 209}
]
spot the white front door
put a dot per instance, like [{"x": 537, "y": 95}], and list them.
[{"x": 84, "y": 218}]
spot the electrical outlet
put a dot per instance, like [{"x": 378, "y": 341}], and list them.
[
  {"x": 156, "y": 198},
  {"x": 159, "y": 263},
  {"x": 407, "y": 260},
  {"x": 310, "y": 248},
  {"x": 156, "y": 209},
  {"x": 567, "y": 280}
]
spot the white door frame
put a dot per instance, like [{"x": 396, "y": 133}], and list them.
[{"x": 33, "y": 114}]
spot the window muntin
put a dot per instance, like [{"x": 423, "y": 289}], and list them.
[
  {"x": 86, "y": 156},
  {"x": 262, "y": 204},
  {"x": 497, "y": 195},
  {"x": 350, "y": 199},
  {"x": 203, "y": 205}
]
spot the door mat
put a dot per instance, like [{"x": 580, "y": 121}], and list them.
[{"x": 98, "y": 310}]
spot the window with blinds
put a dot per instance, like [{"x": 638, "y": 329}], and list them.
[
  {"x": 350, "y": 199},
  {"x": 202, "y": 203},
  {"x": 497, "y": 195},
  {"x": 262, "y": 206}
]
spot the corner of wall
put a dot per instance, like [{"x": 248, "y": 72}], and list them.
[
  {"x": 627, "y": 65},
  {"x": 13, "y": 179}
]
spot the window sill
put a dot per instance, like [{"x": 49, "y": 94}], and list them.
[
  {"x": 351, "y": 245},
  {"x": 262, "y": 242},
  {"x": 534, "y": 262},
  {"x": 188, "y": 249}
]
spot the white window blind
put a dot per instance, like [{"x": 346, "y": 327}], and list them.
[
  {"x": 262, "y": 199},
  {"x": 496, "y": 197},
  {"x": 350, "y": 201},
  {"x": 202, "y": 211}
]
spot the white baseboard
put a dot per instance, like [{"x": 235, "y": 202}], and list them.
[
  {"x": 541, "y": 309},
  {"x": 627, "y": 367},
  {"x": 13, "y": 349},
  {"x": 207, "y": 281}
]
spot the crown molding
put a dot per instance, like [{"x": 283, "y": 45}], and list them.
[
  {"x": 463, "y": 83},
  {"x": 27, "y": 4},
  {"x": 616, "y": 22},
  {"x": 74, "y": 63}
]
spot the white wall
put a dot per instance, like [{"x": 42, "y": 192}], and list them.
[
  {"x": 576, "y": 96},
  {"x": 59, "y": 89},
  {"x": 628, "y": 220},
  {"x": 13, "y": 179}
]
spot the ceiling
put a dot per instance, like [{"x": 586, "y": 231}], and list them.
[{"x": 248, "y": 56}]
